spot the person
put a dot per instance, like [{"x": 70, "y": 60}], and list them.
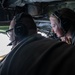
[
  {"x": 21, "y": 30},
  {"x": 21, "y": 26},
  {"x": 63, "y": 24},
  {"x": 37, "y": 55}
]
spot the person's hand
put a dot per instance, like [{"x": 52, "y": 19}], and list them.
[{"x": 67, "y": 40}]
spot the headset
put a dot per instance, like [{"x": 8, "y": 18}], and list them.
[
  {"x": 65, "y": 22},
  {"x": 20, "y": 29}
]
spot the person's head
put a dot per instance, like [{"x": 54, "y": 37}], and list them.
[
  {"x": 21, "y": 26},
  {"x": 62, "y": 21}
]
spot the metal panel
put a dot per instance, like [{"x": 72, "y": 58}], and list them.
[
  {"x": 42, "y": 0},
  {"x": 13, "y": 3}
]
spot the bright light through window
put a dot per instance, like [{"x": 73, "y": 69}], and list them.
[{"x": 4, "y": 40}]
